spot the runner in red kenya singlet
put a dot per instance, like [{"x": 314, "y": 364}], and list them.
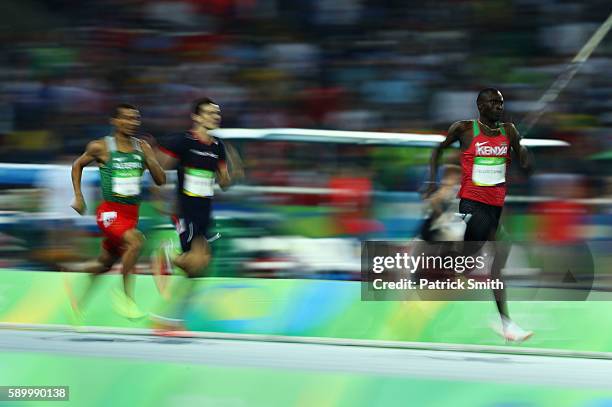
[{"x": 485, "y": 156}]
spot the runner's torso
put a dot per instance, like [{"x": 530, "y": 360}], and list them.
[
  {"x": 198, "y": 162},
  {"x": 484, "y": 163},
  {"x": 121, "y": 174}
]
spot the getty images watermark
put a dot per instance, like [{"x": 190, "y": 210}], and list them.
[
  {"x": 404, "y": 262},
  {"x": 417, "y": 270}
]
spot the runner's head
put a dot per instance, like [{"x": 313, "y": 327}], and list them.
[
  {"x": 126, "y": 119},
  {"x": 490, "y": 104},
  {"x": 206, "y": 113}
]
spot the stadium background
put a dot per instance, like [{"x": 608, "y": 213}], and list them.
[{"x": 320, "y": 64}]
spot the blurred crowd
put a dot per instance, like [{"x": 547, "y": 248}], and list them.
[{"x": 334, "y": 64}]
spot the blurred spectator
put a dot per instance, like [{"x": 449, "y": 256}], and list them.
[{"x": 350, "y": 64}]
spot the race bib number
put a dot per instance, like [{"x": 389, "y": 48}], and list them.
[
  {"x": 126, "y": 183},
  {"x": 107, "y": 218},
  {"x": 198, "y": 182},
  {"x": 489, "y": 171}
]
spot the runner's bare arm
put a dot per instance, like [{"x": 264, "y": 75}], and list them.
[
  {"x": 166, "y": 161},
  {"x": 93, "y": 152},
  {"x": 454, "y": 134},
  {"x": 437, "y": 198},
  {"x": 226, "y": 176},
  {"x": 162, "y": 199},
  {"x": 521, "y": 151},
  {"x": 223, "y": 177},
  {"x": 157, "y": 172},
  {"x": 447, "y": 190},
  {"x": 236, "y": 168}
]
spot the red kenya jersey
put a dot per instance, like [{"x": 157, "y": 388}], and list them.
[{"x": 484, "y": 166}]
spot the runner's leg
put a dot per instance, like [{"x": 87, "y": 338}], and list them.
[
  {"x": 502, "y": 251},
  {"x": 195, "y": 262},
  {"x": 133, "y": 241},
  {"x": 196, "y": 259},
  {"x": 101, "y": 265}
]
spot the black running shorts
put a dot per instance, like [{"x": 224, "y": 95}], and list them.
[
  {"x": 483, "y": 224},
  {"x": 193, "y": 222}
]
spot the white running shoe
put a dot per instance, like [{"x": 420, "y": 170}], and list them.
[
  {"x": 164, "y": 326},
  {"x": 511, "y": 332}
]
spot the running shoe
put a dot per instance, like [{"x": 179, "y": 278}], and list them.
[
  {"x": 164, "y": 326},
  {"x": 511, "y": 332},
  {"x": 125, "y": 306}
]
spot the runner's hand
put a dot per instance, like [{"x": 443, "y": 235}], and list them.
[{"x": 78, "y": 204}]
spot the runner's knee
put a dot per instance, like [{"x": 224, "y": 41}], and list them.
[
  {"x": 196, "y": 263},
  {"x": 134, "y": 239},
  {"x": 202, "y": 262},
  {"x": 106, "y": 262}
]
